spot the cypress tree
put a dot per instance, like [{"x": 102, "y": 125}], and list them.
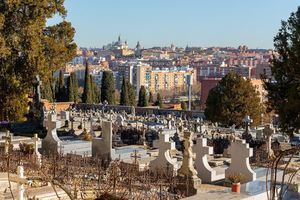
[
  {"x": 95, "y": 90},
  {"x": 124, "y": 96},
  {"x": 143, "y": 101},
  {"x": 87, "y": 96},
  {"x": 61, "y": 88},
  {"x": 72, "y": 88},
  {"x": 183, "y": 105},
  {"x": 131, "y": 94},
  {"x": 47, "y": 92},
  {"x": 108, "y": 88},
  {"x": 150, "y": 97},
  {"x": 158, "y": 100}
]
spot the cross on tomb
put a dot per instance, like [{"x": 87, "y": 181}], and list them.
[
  {"x": 247, "y": 120},
  {"x": 240, "y": 153},
  {"x": 268, "y": 132},
  {"x": 20, "y": 180},
  {"x": 7, "y": 139},
  {"x": 136, "y": 156},
  {"x": 35, "y": 140}
]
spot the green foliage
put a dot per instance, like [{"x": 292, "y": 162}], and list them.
[
  {"x": 47, "y": 90},
  {"x": 108, "y": 88},
  {"x": 29, "y": 48},
  {"x": 231, "y": 100},
  {"x": 95, "y": 90},
  {"x": 61, "y": 91},
  {"x": 124, "y": 96},
  {"x": 143, "y": 101},
  {"x": 183, "y": 105},
  {"x": 73, "y": 88},
  {"x": 132, "y": 94},
  {"x": 87, "y": 96},
  {"x": 158, "y": 101},
  {"x": 150, "y": 98},
  {"x": 284, "y": 88}
]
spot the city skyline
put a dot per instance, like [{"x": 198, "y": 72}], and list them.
[{"x": 162, "y": 23}]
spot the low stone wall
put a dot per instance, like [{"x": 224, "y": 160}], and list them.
[{"x": 141, "y": 110}]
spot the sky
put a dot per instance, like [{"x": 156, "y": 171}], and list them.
[{"x": 202, "y": 23}]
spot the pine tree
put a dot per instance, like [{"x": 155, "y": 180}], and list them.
[
  {"x": 108, "y": 88},
  {"x": 284, "y": 88},
  {"x": 143, "y": 101},
  {"x": 150, "y": 98},
  {"x": 28, "y": 47},
  {"x": 233, "y": 99},
  {"x": 124, "y": 96},
  {"x": 158, "y": 100},
  {"x": 61, "y": 88},
  {"x": 87, "y": 96}
]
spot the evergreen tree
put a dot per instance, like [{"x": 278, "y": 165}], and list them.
[
  {"x": 47, "y": 92},
  {"x": 143, "y": 101},
  {"x": 72, "y": 88},
  {"x": 96, "y": 90},
  {"x": 132, "y": 94},
  {"x": 87, "y": 96},
  {"x": 150, "y": 97},
  {"x": 158, "y": 100},
  {"x": 28, "y": 47},
  {"x": 284, "y": 88},
  {"x": 108, "y": 88},
  {"x": 61, "y": 88},
  {"x": 124, "y": 96},
  {"x": 233, "y": 99}
]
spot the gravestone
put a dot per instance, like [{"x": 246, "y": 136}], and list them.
[
  {"x": 268, "y": 132},
  {"x": 35, "y": 140},
  {"x": 240, "y": 153},
  {"x": 205, "y": 172},
  {"x": 187, "y": 171},
  {"x": 102, "y": 146},
  {"x": 20, "y": 180},
  {"x": 51, "y": 144},
  {"x": 164, "y": 160},
  {"x": 120, "y": 120}
]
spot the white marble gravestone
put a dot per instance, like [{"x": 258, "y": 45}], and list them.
[
  {"x": 164, "y": 160},
  {"x": 51, "y": 143},
  {"x": 205, "y": 172},
  {"x": 20, "y": 180},
  {"x": 102, "y": 146},
  {"x": 240, "y": 153},
  {"x": 268, "y": 132}
]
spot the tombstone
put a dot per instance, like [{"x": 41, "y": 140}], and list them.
[
  {"x": 187, "y": 171},
  {"x": 164, "y": 160},
  {"x": 205, "y": 172},
  {"x": 35, "y": 140},
  {"x": 240, "y": 153},
  {"x": 102, "y": 147},
  {"x": 65, "y": 115},
  {"x": 246, "y": 135},
  {"x": 51, "y": 143},
  {"x": 20, "y": 180},
  {"x": 268, "y": 132},
  {"x": 120, "y": 120}
]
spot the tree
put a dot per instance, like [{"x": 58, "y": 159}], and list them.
[
  {"x": 47, "y": 90},
  {"x": 108, "y": 88},
  {"x": 87, "y": 96},
  {"x": 143, "y": 101},
  {"x": 233, "y": 99},
  {"x": 183, "y": 105},
  {"x": 158, "y": 100},
  {"x": 124, "y": 96},
  {"x": 73, "y": 88},
  {"x": 150, "y": 98},
  {"x": 284, "y": 88},
  {"x": 131, "y": 94},
  {"x": 95, "y": 90},
  {"x": 29, "y": 48},
  {"x": 60, "y": 94}
]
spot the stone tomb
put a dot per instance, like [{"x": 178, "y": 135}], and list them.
[
  {"x": 164, "y": 160},
  {"x": 240, "y": 153},
  {"x": 205, "y": 172}
]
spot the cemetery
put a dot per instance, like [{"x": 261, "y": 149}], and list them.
[{"x": 178, "y": 157}]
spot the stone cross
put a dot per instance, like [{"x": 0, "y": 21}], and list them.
[
  {"x": 240, "y": 153},
  {"x": 20, "y": 180},
  {"x": 7, "y": 144},
  {"x": 187, "y": 167},
  {"x": 268, "y": 132},
  {"x": 164, "y": 160},
  {"x": 247, "y": 120},
  {"x": 35, "y": 140},
  {"x": 205, "y": 172}
]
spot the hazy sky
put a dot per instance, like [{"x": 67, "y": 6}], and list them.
[{"x": 182, "y": 22}]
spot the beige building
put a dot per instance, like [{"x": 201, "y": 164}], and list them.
[{"x": 155, "y": 80}]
